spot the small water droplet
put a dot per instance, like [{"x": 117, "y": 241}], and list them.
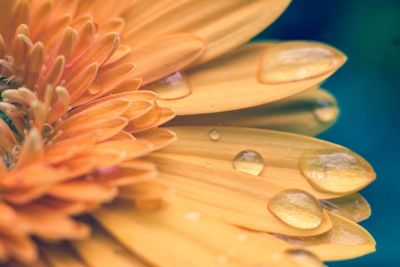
[
  {"x": 304, "y": 258},
  {"x": 231, "y": 252},
  {"x": 294, "y": 61},
  {"x": 214, "y": 134},
  {"x": 249, "y": 161},
  {"x": 95, "y": 88},
  {"x": 336, "y": 171},
  {"x": 325, "y": 111},
  {"x": 208, "y": 164},
  {"x": 193, "y": 216},
  {"x": 222, "y": 259},
  {"x": 297, "y": 208},
  {"x": 353, "y": 207},
  {"x": 242, "y": 237},
  {"x": 172, "y": 87}
]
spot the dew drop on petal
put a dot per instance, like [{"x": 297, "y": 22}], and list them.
[
  {"x": 242, "y": 237},
  {"x": 208, "y": 164},
  {"x": 325, "y": 111},
  {"x": 214, "y": 135},
  {"x": 249, "y": 161},
  {"x": 172, "y": 87},
  {"x": 336, "y": 171},
  {"x": 222, "y": 259},
  {"x": 303, "y": 258},
  {"x": 297, "y": 208},
  {"x": 294, "y": 61},
  {"x": 95, "y": 88},
  {"x": 193, "y": 216}
]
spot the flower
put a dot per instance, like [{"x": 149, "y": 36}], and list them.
[{"x": 82, "y": 148}]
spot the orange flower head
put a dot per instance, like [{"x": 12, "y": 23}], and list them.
[
  {"x": 73, "y": 123},
  {"x": 84, "y": 87}
]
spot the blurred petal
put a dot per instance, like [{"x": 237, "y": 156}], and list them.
[
  {"x": 221, "y": 25},
  {"x": 176, "y": 228},
  {"x": 310, "y": 112}
]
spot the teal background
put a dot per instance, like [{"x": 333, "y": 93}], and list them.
[{"x": 367, "y": 90}]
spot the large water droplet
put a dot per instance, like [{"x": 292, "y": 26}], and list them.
[
  {"x": 214, "y": 134},
  {"x": 172, "y": 87},
  {"x": 294, "y": 61},
  {"x": 325, "y": 111},
  {"x": 297, "y": 208},
  {"x": 336, "y": 171},
  {"x": 249, "y": 161},
  {"x": 353, "y": 207},
  {"x": 304, "y": 258}
]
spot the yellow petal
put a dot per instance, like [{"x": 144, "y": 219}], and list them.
[
  {"x": 101, "y": 250},
  {"x": 198, "y": 240},
  {"x": 281, "y": 153},
  {"x": 237, "y": 75},
  {"x": 165, "y": 55},
  {"x": 310, "y": 112},
  {"x": 353, "y": 207},
  {"x": 221, "y": 25},
  {"x": 345, "y": 240},
  {"x": 218, "y": 190}
]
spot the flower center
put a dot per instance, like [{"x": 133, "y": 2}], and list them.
[{"x": 22, "y": 111}]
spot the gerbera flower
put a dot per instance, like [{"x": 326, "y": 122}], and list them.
[{"x": 77, "y": 133}]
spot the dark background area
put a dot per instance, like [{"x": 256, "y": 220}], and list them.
[{"x": 367, "y": 90}]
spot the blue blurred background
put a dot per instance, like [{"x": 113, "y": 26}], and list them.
[{"x": 367, "y": 89}]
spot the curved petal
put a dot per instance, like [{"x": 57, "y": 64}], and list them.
[
  {"x": 249, "y": 78},
  {"x": 310, "y": 112},
  {"x": 184, "y": 228},
  {"x": 221, "y": 25},
  {"x": 281, "y": 153}
]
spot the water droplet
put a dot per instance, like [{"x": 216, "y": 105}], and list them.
[
  {"x": 336, "y": 171},
  {"x": 353, "y": 207},
  {"x": 193, "y": 216},
  {"x": 231, "y": 252},
  {"x": 249, "y": 161},
  {"x": 222, "y": 259},
  {"x": 303, "y": 258},
  {"x": 95, "y": 88},
  {"x": 214, "y": 134},
  {"x": 242, "y": 237},
  {"x": 208, "y": 164},
  {"x": 294, "y": 61},
  {"x": 297, "y": 208},
  {"x": 325, "y": 111},
  {"x": 174, "y": 86}
]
